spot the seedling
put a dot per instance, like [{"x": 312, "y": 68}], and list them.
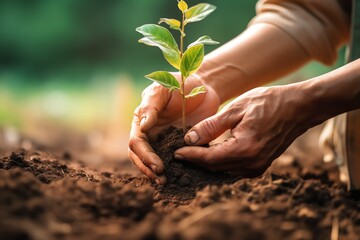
[{"x": 187, "y": 62}]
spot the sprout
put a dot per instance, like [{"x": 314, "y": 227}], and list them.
[{"x": 187, "y": 62}]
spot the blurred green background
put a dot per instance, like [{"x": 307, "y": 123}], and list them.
[{"x": 78, "y": 63}]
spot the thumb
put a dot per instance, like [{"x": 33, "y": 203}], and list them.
[
  {"x": 209, "y": 129},
  {"x": 149, "y": 117},
  {"x": 155, "y": 98}
]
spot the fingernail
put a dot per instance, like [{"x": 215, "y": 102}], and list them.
[
  {"x": 192, "y": 137},
  {"x": 153, "y": 167},
  {"x": 178, "y": 156},
  {"x": 157, "y": 181},
  {"x": 142, "y": 122}
]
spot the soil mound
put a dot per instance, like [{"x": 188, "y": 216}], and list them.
[{"x": 183, "y": 179}]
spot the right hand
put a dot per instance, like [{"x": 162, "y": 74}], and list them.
[{"x": 158, "y": 110}]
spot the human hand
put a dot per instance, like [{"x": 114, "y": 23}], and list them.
[
  {"x": 160, "y": 109},
  {"x": 263, "y": 123}
]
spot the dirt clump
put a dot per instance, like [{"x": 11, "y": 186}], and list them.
[{"x": 183, "y": 179}]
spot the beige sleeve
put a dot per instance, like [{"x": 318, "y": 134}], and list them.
[{"x": 319, "y": 26}]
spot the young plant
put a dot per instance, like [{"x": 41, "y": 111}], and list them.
[{"x": 187, "y": 62}]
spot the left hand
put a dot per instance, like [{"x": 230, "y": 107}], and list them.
[
  {"x": 158, "y": 110},
  {"x": 263, "y": 123}
]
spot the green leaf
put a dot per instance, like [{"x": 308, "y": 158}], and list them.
[
  {"x": 182, "y": 5},
  {"x": 191, "y": 60},
  {"x": 173, "y": 57},
  {"x": 155, "y": 35},
  {"x": 198, "y": 12},
  {"x": 159, "y": 35},
  {"x": 173, "y": 23},
  {"x": 204, "y": 40},
  {"x": 164, "y": 78},
  {"x": 196, "y": 91}
]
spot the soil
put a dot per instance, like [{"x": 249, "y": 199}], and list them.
[
  {"x": 56, "y": 194},
  {"x": 183, "y": 179}
]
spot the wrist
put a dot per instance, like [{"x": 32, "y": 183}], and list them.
[
  {"x": 311, "y": 111},
  {"x": 333, "y": 93}
]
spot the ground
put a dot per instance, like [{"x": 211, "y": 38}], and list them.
[{"x": 58, "y": 193}]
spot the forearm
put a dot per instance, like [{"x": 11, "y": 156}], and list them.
[
  {"x": 261, "y": 54},
  {"x": 331, "y": 94}
]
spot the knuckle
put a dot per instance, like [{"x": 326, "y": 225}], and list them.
[
  {"x": 152, "y": 90},
  {"x": 156, "y": 87},
  {"x": 147, "y": 90},
  {"x": 209, "y": 128},
  {"x": 137, "y": 111},
  {"x": 133, "y": 142},
  {"x": 233, "y": 111},
  {"x": 149, "y": 108}
]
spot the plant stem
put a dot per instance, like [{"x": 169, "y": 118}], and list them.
[
  {"x": 182, "y": 77},
  {"x": 183, "y": 107}
]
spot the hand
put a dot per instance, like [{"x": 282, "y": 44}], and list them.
[
  {"x": 160, "y": 109},
  {"x": 263, "y": 123}
]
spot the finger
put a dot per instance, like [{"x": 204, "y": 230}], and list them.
[
  {"x": 155, "y": 98},
  {"x": 141, "y": 166},
  {"x": 209, "y": 156},
  {"x": 234, "y": 156},
  {"x": 234, "y": 165},
  {"x": 211, "y": 128},
  {"x": 149, "y": 116},
  {"x": 147, "y": 155},
  {"x": 159, "y": 179},
  {"x": 241, "y": 151},
  {"x": 140, "y": 146}
]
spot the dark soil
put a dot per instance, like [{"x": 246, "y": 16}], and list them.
[
  {"x": 183, "y": 179},
  {"x": 46, "y": 195}
]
